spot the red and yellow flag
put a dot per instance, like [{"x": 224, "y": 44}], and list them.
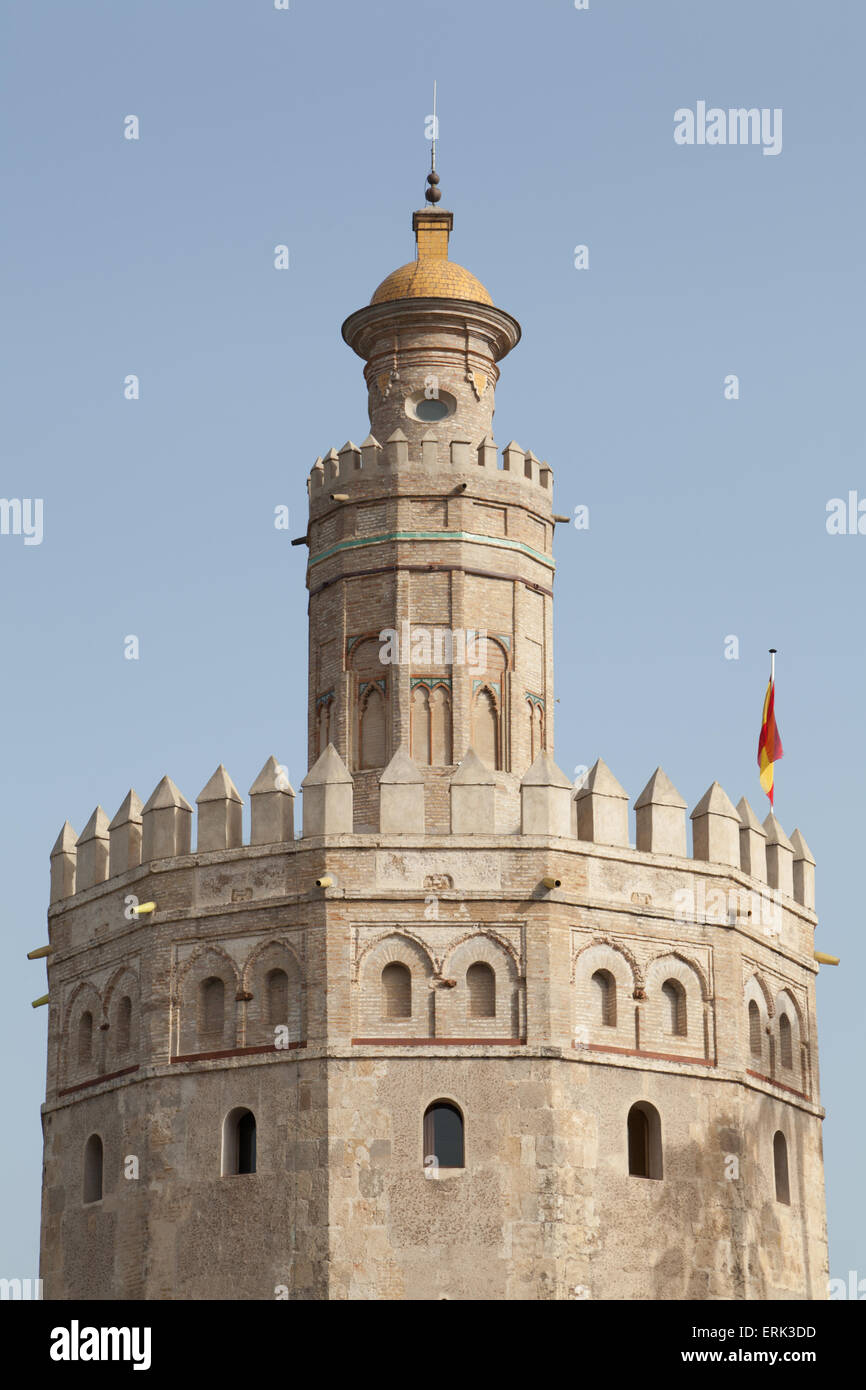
[{"x": 770, "y": 741}]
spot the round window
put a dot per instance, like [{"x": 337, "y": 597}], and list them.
[{"x": 431, "y": 410}]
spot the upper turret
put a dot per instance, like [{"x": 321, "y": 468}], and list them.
[{"x": 431, "y": 338}]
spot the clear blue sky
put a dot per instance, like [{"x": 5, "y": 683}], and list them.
[{"x": 155, "y": 257}]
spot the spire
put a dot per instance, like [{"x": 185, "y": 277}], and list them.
[{"x": 432, "y": 192}]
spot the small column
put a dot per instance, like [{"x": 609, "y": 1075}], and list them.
[
  {"x": 716, "y": 828},
  {"x": 660, "y": 815},
  {"x": 602, "y": 808},
  {"x": 166, "y": 823},
  {"x": 124, "y": 836},
  {"x": 63, "y": 857},
  {"x": 473, "y": 797},
  {"x": 272, "y": 806},
  {"x": 804, "y": 872},
  {"x": 220, "y": 813},
  {"x": 328, "y": 796},
  {"x": 401, "y": 796},
  {"x": 545, "y": 799},
  {"x": 753, "y": 842},
  {"x": 92, "y": 863},
  {"x": 780, "y": 857}
]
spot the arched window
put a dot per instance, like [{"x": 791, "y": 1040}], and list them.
[
  {"x": 754, "y": 1029},
  {"x": 93, "y": 1169},
  {"x": 123, "y": 1024},
  {"x": 485, "y": 728},
  {"x": 397, "y": 991},
  {"x": 371, "y": 733},
  {"x": 85, "y": 1038},
  {"x": 604, "y": 986},
  {"x": 780, "y": 1168},
  {"x": 440, "y": 727},
  {"x": 212, "y": 997},
  {"x": 536, "y": 729},
  {"x": 324, "y": 725},
  {"x": 239, "y": 1142},
  {"x": 277, "y": 997},
  {"x": 421, "y": 724},
  {"x": 786, "y": 1050},
  {"x": 676, "y": 1018},
  {"x": 443, "y": 1136},
  {"x": 644, "y": 1141},
  {"x": 481, "y": 984}
]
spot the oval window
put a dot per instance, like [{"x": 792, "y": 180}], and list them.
[{"x": 431, "y": 410}]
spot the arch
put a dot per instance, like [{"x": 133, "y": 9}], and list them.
[
  {"x": 273, "y": 983},
  {"x": 395, "y": 937},
  {"x": 786, "y": 1051},
  {"x": 372, "y": 733},
  {"x": 605, "y": 991},
  {"x": 420, "y": 725},
  {"x": 276, "y": 996},
  {"x": 499, "y": 991},
  {"x": 123, "y": 1025},
  {"x": 644, "y": 1141},
  {"x": 211, "y": 1007},
  {"x": 485, "y": 726},
  {"x": 122, "y": 1015},
  {"x": 84, "y": 1038},
  {"x": 239, "y": 1142},
  {"x": 481, "y": 988},
  {"x": 441, "y": 741},
  {"x": 323, "y": 726},
  {"x": 757, "y": 1000},
  {"x": 444, "y": 1141},
  {"x": 396, "y": 990},
  {"x": 677, "y": 1002},
  {"x": 675, "y": 990},
  {"x": 536, "y": 729},
  {"x": 199, "y": 1008},
  {"x": 369, "y": 999},
  {"x": 780, "y": 1168},
  {"x": 605, "y": 981},
  {"x": 93, "y": 1169}
]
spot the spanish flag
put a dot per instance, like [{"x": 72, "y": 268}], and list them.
[{"x": 770, "y": 742}]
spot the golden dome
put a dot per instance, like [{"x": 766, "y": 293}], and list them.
[{"x": 432, "y": 275}]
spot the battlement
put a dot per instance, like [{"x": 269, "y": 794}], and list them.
[
  {"x": 594, "y": 814},
  {"x": 399, "y": 455}
]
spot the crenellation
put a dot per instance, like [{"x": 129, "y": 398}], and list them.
[
  {"x": 63, "y": 860},
  {"x": 124, "y": 835},
  {"x": 780, "y": 857},
  {"x": 166, "y": 822},
  {"x": 93, "y": 849},
  {"x": 660, "y": 817}
]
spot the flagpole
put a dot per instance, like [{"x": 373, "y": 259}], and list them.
[{"x": 773, "y": 697}]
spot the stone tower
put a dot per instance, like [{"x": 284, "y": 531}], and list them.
[{"x": 457, "y": 1038}]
